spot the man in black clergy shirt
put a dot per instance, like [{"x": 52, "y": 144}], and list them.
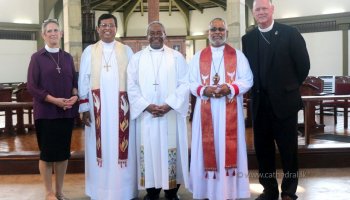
[{"x": 280, "y": 63}]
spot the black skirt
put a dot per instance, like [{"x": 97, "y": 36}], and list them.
[{"x": 54, "y": 138}]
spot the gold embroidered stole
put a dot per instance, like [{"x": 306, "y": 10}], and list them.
[
  {"x": 124, "y": 112},
  {"x": 230, "y": 62}
]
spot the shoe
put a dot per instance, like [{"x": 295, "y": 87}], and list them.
[
  {"x": 149, "y": 198},
  {"x": 177, "y": 197},
  {"x": 61, "y": 197},
  {"x": 286, "y": 197},
  {"x": 267, "y": 196}
]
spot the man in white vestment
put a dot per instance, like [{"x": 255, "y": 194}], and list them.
[
  {"x": 159, "y": 98},
  {"x": 219, "y": 76},
  {"x": 110, "y": 156}
]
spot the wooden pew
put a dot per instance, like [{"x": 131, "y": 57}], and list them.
[{"x": 19, "y": 107}]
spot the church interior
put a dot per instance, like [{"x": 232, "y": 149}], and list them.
[{"x": 324, "y": 134}]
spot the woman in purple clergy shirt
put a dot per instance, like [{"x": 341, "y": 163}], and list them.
[{"x": 52, "y": 82}]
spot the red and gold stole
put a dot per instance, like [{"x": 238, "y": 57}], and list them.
[
  {"x": 124, "y": 111},
  {"x": 230, "y": 62}
]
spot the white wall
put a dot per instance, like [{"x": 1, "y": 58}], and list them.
[
  {"x": 19, "y": 11},
  {"x": 298, "y": 8},
  {"x": 325, "y": 51},
  {"x": 174, "y": 24},
  {"x": 200, "y": 21},
  {"x": 15, "y": 56}
]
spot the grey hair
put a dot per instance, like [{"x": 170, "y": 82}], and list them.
[
  {"x": 254, "y": 2},
  {"x": 48, "y": 21},
  {"x": 155, "y": 22},
  {"x": 218, "y": 19}
]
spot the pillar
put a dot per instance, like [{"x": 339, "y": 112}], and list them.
[
  {"x": 153, "y": 10},
  {"x": 72, "y": 29},
  {"x": 234, "y": 11},
  {"x": 345, "y": 32}
]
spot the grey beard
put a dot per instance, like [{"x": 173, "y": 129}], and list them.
[{"x": 213, "y": 42}]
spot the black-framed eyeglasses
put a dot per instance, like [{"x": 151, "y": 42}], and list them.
[
  {"x": 220, "y": 29},
  {"x": 107, "y": 25}
]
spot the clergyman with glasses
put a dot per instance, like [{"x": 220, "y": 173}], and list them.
[
  {"x": 53, "y": 85},
  {"x": 159, "y": 99},
  {"x": 110, "y": 157},
  {"x": 219, "y": 76}
]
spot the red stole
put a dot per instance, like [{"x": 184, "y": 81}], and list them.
[
  {"x": 124, "y": 116},
  {"x": 123, "y": 103},
  {"x": 230, "y": 62}
]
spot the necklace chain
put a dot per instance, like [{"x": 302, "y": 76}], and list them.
[
  {"x": 58, "y": 68},
  {"x": 266, "y": 40},
  {"x": 216, "y": 77},
  {"x": 109, "y": 59},
  {"x": 216, "y": 71},
  {"x": 156, "y": 71}
]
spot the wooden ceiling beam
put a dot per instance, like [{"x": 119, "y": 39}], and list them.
[
  {"x": 170, "y": 7},
  {"x": 219, "y": 3},
  {"x": 94, "y": 4},
  {"x": 185, "y": 12},
  {"x": 142, "y": 8},
  {"x": 193, "y": 5},
  {"x": 118, "y": 5}
]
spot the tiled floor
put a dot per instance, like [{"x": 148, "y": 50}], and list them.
[{"x": 314, "y": 184}]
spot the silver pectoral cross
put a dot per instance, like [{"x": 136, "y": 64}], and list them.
[{"x": 58, "y": 69}]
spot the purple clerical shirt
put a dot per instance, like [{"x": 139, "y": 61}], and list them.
[{"x": 44, "y": 78}]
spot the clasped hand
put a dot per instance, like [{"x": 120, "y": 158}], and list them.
[
  {"x": 158, "y": 111},
  {"x": 67, "y": 103},
  {"x": 217, "y": 91}
]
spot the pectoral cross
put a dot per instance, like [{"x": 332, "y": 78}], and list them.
[
  {"x": 155, "y": 85},
  {"x": 107, "y": 66},
  {"x": 216, "y": 79},
  {"x": 58, "y": 69}
]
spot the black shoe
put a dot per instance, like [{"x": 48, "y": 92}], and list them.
[
  {"x": 149, "y": 198},
  {"x": 177, "y": 197},
  {"x": 286, "y": 197},
  {"x": 267, "y": 196}
]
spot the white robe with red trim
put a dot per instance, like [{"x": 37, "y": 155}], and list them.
[
  {"x": 111, "y": 181},
  {"x": 223, "y": 187}
]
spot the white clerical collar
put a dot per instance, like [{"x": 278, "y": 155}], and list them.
[
  {"x": 264, "y": 30},
  {"x": 109, "y": 44},
  {"x": 51, "y": 50},
  {"x": 215, "y": 49},
  {"x": 155, "y": 50}
]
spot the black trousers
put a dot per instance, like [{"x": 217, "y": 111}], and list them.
[
  {"x": 268, "y": 132},
  {"x": 153, "y": 193}
]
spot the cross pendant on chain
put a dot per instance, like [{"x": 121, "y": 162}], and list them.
[
  {"x": 216, "y": 79},
  {"x": 107, "y": 66},
  {"x": 155, "y": 85},
  {"x": 58, "y": 69}
]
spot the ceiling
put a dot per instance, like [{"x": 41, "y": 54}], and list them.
[
  {"x": 127, "y": 7},
  {"x": 142, "y": 5}
]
